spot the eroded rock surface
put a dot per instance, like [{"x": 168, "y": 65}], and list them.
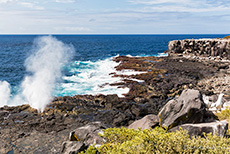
[
  {"x": 201, "y": 47},
  {"x": 24, "y": 130},
  {"x": 187, "y": 108},
  {"x": 218, "y": 128},
  {"x": 149, "y": 121}
]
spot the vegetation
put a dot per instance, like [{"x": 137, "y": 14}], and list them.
[
  {"x": 225, "y": 114},
  {"x": 227, "y": 37},
  {"x": 129, "y": 141}
]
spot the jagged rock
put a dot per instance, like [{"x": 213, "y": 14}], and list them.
[
  {"x": 89, "y": 133},
  {"x": 83, "y": 137},
  {"x": 33, "y": 132},
  {"x": 111, "y": 101},
  {"x": 188, "y": 108},
  {"x": 121, "y": 119},
  {"x": 149, "y": 121},
  {"x": 5, "y": 147},
  {"x": 71, "y": 147},
  {"x": 4, "y": 115},
  {"x": 212, "y": 47},
  {"x": 219, "y": 128},
  {"x": 138, "y": 110}
]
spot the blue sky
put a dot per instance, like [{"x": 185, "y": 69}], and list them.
[{"x": 114, "y": 16}]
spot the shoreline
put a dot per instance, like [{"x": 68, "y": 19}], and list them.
[{"x": 165, "y": 79}]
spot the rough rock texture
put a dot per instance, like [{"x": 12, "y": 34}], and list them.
[
  {"x": 149, "y": 121},
  {"x": 86, "y": 136},
  {"x": 71, "y": 147},
  {"x": 201, "y": 47},
  {"x": 217, "y": 84},
  {"x": 89, "y": 133},
  {"x": 219, "y": 128},
  {"x": 188, "y": 108},
  {"x": 23, "y": 130}
]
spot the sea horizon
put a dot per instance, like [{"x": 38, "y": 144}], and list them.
[{"x": 109, "y": 34}]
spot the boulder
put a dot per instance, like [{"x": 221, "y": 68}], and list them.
[
  {"x": 149, "y": 121},
  {"x": 188, "y": 108},
  {"x": 70, "y": 147},
  {"x": 218, "y": 128},
  {"x": 89, "y": 133},
  {"x": 81, "y": 138}
]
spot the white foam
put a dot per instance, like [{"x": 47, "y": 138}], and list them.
[
  {"x": 4, "y": 93},
  {"x": 129, "y": 55},
  {"x": 136, "y": 80},
  {"x": 129, "y": 72},
  {"x": 155, "y": 55},
  {"x": 93, "y": 79},
  {"x": 162, "y": 55},
  {"x": 44, "y": 66}
]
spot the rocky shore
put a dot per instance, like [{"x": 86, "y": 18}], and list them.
[
  {"x": 201, "y": 47},
  {"x": 177, "y": 90}
]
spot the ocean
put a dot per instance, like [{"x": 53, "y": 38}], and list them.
[{"x": 88, "y": 66}]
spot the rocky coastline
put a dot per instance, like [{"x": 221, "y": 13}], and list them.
[
  {"x": 175, "y": 91},
  {"x": 219, "y": 48}
]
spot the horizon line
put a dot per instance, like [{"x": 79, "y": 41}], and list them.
[{"x": 120, "y": 34}]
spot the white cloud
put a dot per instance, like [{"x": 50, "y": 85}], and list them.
[
  {"x": 6, "y": 1},
  {"x": 30, "y": 5},
  {"x": 192, "y": 6},
  {"x": 73, "y": 29},
  {"x": 65, "y": 1},
  {"x": 136, "y": 16},
  {"x": 152, "y": 2}
]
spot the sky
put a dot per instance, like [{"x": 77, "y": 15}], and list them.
[{"x": 114, "y": 16}]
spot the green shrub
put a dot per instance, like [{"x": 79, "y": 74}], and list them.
[
  {"x": 129, "y": 141},
  {"x": 225, "y": 114}
]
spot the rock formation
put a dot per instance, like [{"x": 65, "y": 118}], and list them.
[
  {"x": 86, "y": 135},
  {"x": 149, "y": 121},
  {"x": 188, "y": 108},
  {"x": 216, "y": 128},
  {"x": 201, "y": 47}
]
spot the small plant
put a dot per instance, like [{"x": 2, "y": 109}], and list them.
[
  {"x": 225, "y": 114},
  {"x": 124, "y": 140}
]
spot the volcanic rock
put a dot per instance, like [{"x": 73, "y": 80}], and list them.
[
  {"x": 84, "y": 137},
  {"x": 188, "y": 108},
  {"x": 149, "y": 121},
  {"x": 70, "y": 147},
  {"x": 218, "y": 128},
  {"x": 89, "y": 133}
]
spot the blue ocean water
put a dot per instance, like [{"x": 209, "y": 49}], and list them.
[{"x": 88, "y": 71}]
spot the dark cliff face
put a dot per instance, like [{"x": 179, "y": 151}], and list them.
[{"x": 201, "y": 47}]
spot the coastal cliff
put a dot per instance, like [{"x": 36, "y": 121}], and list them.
[{"x": 201, "y": 47}]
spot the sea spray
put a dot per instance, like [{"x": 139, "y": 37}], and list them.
[
  {"x": 4, "y": 93},
  {"x": 44, "y": 66}
]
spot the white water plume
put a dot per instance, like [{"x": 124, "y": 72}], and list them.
[
  {"x": 44, "y": 68},
  {"x": 45, "y": 65},
  {"x": 4, "y": 93}
]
